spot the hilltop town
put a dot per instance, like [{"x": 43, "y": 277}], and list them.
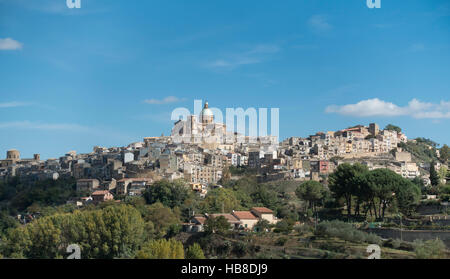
[
  {"x": 204, "y": 161},
  {"x": 204, "y": 187}
]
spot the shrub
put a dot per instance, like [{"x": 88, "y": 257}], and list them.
[
  {"x": 345, "y": 231},
  {"x": 281, "y": 241},
  {"x": 396, "y": 243},
  {"x": 430, "y": 249},
  {"x": 303, "y": 229},
  {"x": 240, "y": 249},
  {"x": 195, "y": 252}
]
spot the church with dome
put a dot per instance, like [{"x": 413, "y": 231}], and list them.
[{"x": 201, "y": 130}]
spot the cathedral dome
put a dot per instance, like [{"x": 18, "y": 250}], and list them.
[
  {"x": 207, "y": 115},
  {"x": 206, "y": 111}
]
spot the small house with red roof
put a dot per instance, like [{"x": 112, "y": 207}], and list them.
[{"x": 102, "y": 196}]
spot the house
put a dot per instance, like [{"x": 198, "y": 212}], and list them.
[
  {"x": 196, "y": 224},
  {"x": 233, "y": 221},
  {"x": 248, "y": 219},
  {"x": 102, "y": 196},
  {"x": 264, "y": 213},
  {"x": 138, "y": 186},
  {"x": 132, "y": 186},
  {"x": 87, "y": 185}
]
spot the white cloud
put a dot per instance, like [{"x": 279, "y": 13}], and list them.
[
  {"x": 254, "y": 55},
  {"x": 377, "y": 107},
  {"x": 167, "y": 100},
  {"x": 232, "y": 63},
  {"x": 13, "y": 104},
  {"x": 9, "y": 44},
  {"x": 319, "y": 23}
]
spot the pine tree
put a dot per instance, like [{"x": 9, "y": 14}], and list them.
[{"x": 434, "y": 177}]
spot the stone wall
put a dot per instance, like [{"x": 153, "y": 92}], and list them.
[{"x": 411, "y": 235}]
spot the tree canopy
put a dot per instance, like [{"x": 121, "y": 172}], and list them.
[
  {"x": 391, "y": 127},
  {"x": 168, "y": 193},
  {"x": 374, "y": 190},
  {"x": 161, "y": 249},
  {"x": 115, "y": 231},
  {"x": 311, "y": 191},
  {"x": 444, "y": 153}
]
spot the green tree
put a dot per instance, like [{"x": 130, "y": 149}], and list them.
[
  {"x": 345, "y": 182},
  {"x": 391, "y": 127},
  {"x": 407, "y": 195},
  {"x": 195, "y": 252},
  {"x": 170, "y": 194},
  {"x": 434, "y": 176},
  {"x": 104, "y": 233},
  {"x": 263, "y": 196},
  {"x": 218, "y": 225},
  {"x": 6, "y": 222},
  {"x": 18, "y": 195},
  {"x": 220, "y": 200},
  {"x": 443, "y": 172},
  {"x": 262, "y": 225},
  {"x": 311, "y": 191},
  {"x": 284, "y": 226},
  {"x": 382, "y": 183},
  {"x": 161, "y": 218},
  {"x": 444, "y": 153},
  {"x": 161, "y": 249}
]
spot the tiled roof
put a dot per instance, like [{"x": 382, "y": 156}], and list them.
[
  {"x": 244, "y": 215},
  {"x": 230, "y": 218},
  {"x": 200, "y": 220},
  {"x": 262, "y": 210},
  {"x": 100, "y": 193}
]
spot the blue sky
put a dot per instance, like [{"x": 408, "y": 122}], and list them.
[{"x": 111, "y": 72}]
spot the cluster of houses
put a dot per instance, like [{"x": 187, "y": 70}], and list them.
[
  {"x": 238, "y": 220},
  {"x": 197, "y": 153}
]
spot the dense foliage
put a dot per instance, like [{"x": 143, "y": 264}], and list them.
[
  {"x": 195, "y": 252},
  {"x": 391, "y": 127},
  {"x": 346, "y": 231},
  {"x": 17, "y": 195},
  {"x": 311, "y": 191},
  {"x": 430, "y": 249},
  {"x": 218, "y": 225},
  {"x": 444, "y": 153},
  {"x": 115, "y": 231},
  {"x": 161, "y": 249},
  {"x": 421, "y": 149},
  {"x": 171, "y": 194},
  {"x": 374, "y": 191}
]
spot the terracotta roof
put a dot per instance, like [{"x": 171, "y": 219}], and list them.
[
  {"x": 244, "y": 215},
  {"x": 200, "y": 220},
  {"x": 230, "y": 218},
  {"x": 262, "y": 210},
  {"x": 100, "y": 193}
]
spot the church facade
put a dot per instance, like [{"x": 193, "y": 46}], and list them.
[{"x": 201, "y": 130}]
